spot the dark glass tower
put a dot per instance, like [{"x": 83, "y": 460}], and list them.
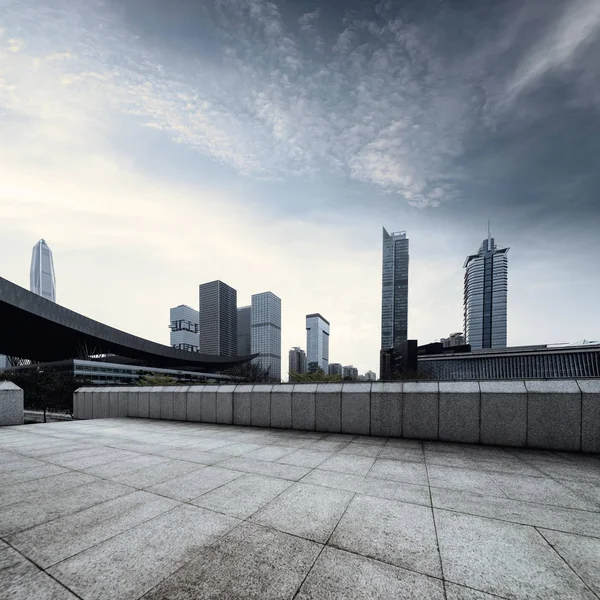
[
  {"x": 485, "y": 297},
  {"x": 218, "y": 319},
  {"x": 394, "y": 294}
]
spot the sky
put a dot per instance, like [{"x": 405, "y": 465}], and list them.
[{"x": 157, "y": 145}]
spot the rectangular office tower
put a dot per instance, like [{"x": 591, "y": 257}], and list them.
[
  {"x": 317, "y": 343},
  {"x": 218, "y": 319},
  {"x": 244, "y": 346},
  {"x": 394, "y": 292},
  {"x": 297, "y": 361},
  {"x": 265, "y": 336},
  {"x": 485, "y": 297},
  {"x": 184, "y": 326}
]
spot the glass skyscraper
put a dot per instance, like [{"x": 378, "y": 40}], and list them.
[
  {"x": 218, "y": 319},
  {"x": 485, "y": 297},
  {"x": 394, "y": 293},
  {"x": 41, "y": 275},
  {"x": 297, "y": 361},
  {"x": 265, "y": 332},
  {"x": 244, "y": 318},
  {"x": 317, "y": 343}
]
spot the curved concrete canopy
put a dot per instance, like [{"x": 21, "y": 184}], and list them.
[{"x": 35, "y": 328}]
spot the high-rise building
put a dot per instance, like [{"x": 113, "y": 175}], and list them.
[
  {"x": 184, "y": 326},
  {"x": 350, "y": 372},
  {"x": 317, "y": 343},
  {"x": 485, "y": 297},
  {"x": 394, "y": 293},
  {"x": 265, "y": 330},
  {"x": 454, "y": 339},
  {"x": 41, "y": 275},
  {"x": 370, "y": 376},
  {"x": 244, "y": 345},
  {"x": 297, "y": 362},
  {"x": 335, "y": 369},
  {"x": 218, "y": 319}
]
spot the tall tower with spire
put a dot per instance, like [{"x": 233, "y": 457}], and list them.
[
  {"x": 485, "y": 296},
  {"x": 41, "y": 276},
  {"x": 394, "y": 289}
]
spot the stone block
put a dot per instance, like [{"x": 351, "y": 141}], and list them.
[
  {"x": 180, "y": 402},
  {"x": 386, "y": 409},
  {"x": 281, "y": 406},
  {"x": 88, "y": 406},
  {"x": 420, "y": 410},
  {"x": 133, "y": 402},
  {"x": 104, "y": 406},
  {"x": 242, "y": 402},
  {"x": 260, "y": 407},
  {"x": 166, "y": 403},
  {"x": 143, "y": 403},
  {"x": 194, "y": 403},
  {"x": 459, "y": 411},
  {"x": 12, "y": 409},
  {"x": 154, "y": 402},
  {"x": 356, "y": 408},
  {"x": 123, "y": 406},
  {"x": 113, "y": 402},
  {"x": 209, "y": 404},
  {"x": 503, "y": 413},
  {"x": 224, "y": 396},
  {"x": 328, "y": 407},
  {"x": 554, "y": 414},
  {"x": 303, "y": 406},
  {"x": 590, "y": 415}
]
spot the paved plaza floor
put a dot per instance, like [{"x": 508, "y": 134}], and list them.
[{"x": 122, "y": 509}]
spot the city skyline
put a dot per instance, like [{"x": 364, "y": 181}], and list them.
[{"x": 285, "y": 136}]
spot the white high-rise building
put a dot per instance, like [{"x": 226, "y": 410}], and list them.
[
  {"x": 265, "y": 332},
  {"x": 317, "y": 343},
  {"x": 184, "y": 328},
  {"x": 485, "y": 296},
  {"x": 41, "y": 275}
]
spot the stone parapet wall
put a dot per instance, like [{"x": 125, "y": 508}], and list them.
[
  {"x": 11, "y": 404},
  {"x": 548, "y": 414}
]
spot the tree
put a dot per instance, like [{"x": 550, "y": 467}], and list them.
[
  {"x": 251, "y": 372},
  {"x": 156, "y": 380},
  {"x": 317, "y": 377}
]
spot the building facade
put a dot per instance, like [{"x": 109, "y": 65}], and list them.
[
  {"x": 42, "y": 279},
  {"x": 394, "y": 292},
  {"x": 527, "y": 362},
  {"x": 454, "y": 339},
  {"x": 184, "y": 326},
  {"x": 336, "y": 369},
  {"x": 317, "y": 343},
  {"x": 244, "y": 345},
  {"x": 297, "y": 361},
  {"x": 266, "y": 332},
  {"x": 350, "y": 372},
  {"x": 218, "y": 319},
  {"x": 370, "y": 376},
  {"x": 485, "y": 296}
]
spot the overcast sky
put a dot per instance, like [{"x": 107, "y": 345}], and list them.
[{"x": 156, "y": 145}]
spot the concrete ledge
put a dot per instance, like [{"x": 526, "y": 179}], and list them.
[
  {"x": 154, "y": 405},
  {"x": 224, "y": 402},
  {"x": 12, "y": 408},
  {"x": 590, "y": 415},
  {"x": 554, "y": 414},
  {"x": 459, "y": 411},
  {"x": 193, "y": 401},
  {"x": 420, "y": 408},
  {"x": 133, "y": 402},
  {"x": 386, "y": 409},
  {"x": 123, "y": 407},
  {"x": 209, "y": 404},
  {"x": 143, "y": 403},
  {"x": 242, "y": 402},
  {"x": 328, "y": 407},
  {"x": 281, "y": 406},
  {"x": 260, "y": 407},
  {"x": 503, "y": 413},
  {"x": 180, "y": 403},
  {"x": 356, "y": 408},
  {"x": 303, "y": 406}
]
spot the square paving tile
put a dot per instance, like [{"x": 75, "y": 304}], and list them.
[
  {"x": 242, "y": 497},
  {"x": 348, "y": 463},
  {"x": 394, "y": 532},
  {"x": 409, "y": 472},
  {"x": 132, "y": 563},
  {"x": 339, "y": 575},
  {"x": 251, "y": 562},
  {"x": 155, "y": 474},
  {"x": 305, "y": 510},
  {"x": 361, "y": 449},
  {"x": 305, "y": 458},
  {"x": 265, "y": 467},
  {"x": 504, "y": 559},
  {"x": 191, "y": 485},
  {"x": 466, "y": 480}
]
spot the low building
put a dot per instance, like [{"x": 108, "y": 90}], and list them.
[
  {"x": 399, "y": 362},
  {"x": 454, "y": 339},
  {"x": 350, "y": 372},
  {"x": 370, "y": 376},
  {"x": 335, "y": 369}
]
